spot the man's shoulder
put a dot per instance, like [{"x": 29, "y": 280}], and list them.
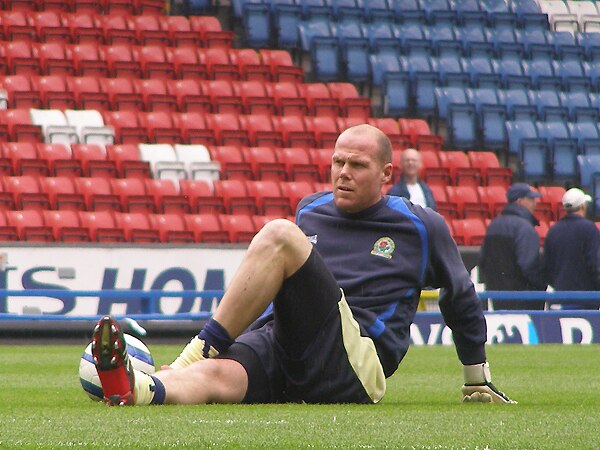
[{"x": 318, "y": 198}]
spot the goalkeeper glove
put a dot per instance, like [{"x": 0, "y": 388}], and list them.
[{"x": 478, "y": 387}]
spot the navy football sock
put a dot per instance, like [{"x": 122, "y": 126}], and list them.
[
  {"x": 214, "y": 335},
  {"x": 159, "y": 392}
]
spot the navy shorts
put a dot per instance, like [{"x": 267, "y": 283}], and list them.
[{"x": 309, "y": 349}]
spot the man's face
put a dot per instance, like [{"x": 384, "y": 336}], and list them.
[
  {"x": 411, "y": 162},
  {"x": 357, "y": 173},
  {"x": 529, "y": 203}
]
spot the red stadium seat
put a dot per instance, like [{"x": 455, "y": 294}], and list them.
[
  {"x": 50, "y": 27},
  {"x": 150, "y": 7},
  {"x": 219, "y": 65},
  {"x": 432, "y": 170},
  {"x": 148, "y": 31},
  {"x": 320, "y": 101},
  {"x": 115, "y": 29},
  {"x": 122, "y": 94},
  {"x": 7, "y": 199},
  {"x": 254, "y": 97},
  {"x": 470, "y": 231},
  {"x": 298, "y": 164},
  {"x": 54, "y": 92},
  {"x": 460, "y": 168},
  {"x": 25, "y": 159},
  {"x": 189, "y": 96},
  {"x": 232, "y": 161},
  {"x": 250, "y": 66},
  {"x": 88, "y": 60},
  {"x": 491, "y": 171},
  {"x": 195, "y": 129},
  {"x": 83, "y": 28},
  {"x": 27, "y": 192},
  {"x": 160, "y": 127},
  {"x": 282, "y": 67},
  {"x": 61, "y": 192},
  {"x": 351, "y": 104},
  {"x": 168, "y": 198},
  {"x": 212, "y": 33},
  {"x": 206, "y": 228},
  {"x": 121, "y": 61},
  {"x": 98, "y": 194},
  {"x": 18, "y": 124},
  {"x": 133, "y": 195},
  {"x": 54, "y": 59},
  {"x": 467, "y": 202},
  {"x": 240, "y": 227},
  {"x": 180, "y": 31},
  {"x": 66, "y": 226},
  {"x": 119, "y": 7},
  {"x": 325, "y": 129},
  {"x": 201, "y": 197},
  {"x": 20, "y": 92},
  {"x": 102, "y": 226},
  {"x": 16, "y": 26},
  {"x": 222, "y": 96},
  {"x": 88, "y": 93},
  {"x": 288, "y": 98},
  {"x": 296, "y": 191},
  {"x": 59, "y": 160},
  {"x": 494, "y": 197},
  {"x": 9, "y": 232},
  {"x": 322, "y": 158},
  {"x": 137, "y": 228},
  {"x": 264, "y": 163},
  {"x": 236, "y": 199},
  {"x": 227, "y": 129},
  {"x": 30, "y": 225},
  {"x": 94, "y": 160},
  {"x": 552, "y": 197},
  {"x": 187, "y": 63},
  {"x": 261, "y": 130},
  {"x": 294, "y": 131},
  {"x": 154, "y": 63},
  {"x": 127, "y": 126},
  {"x": 128, "y": 160},
  {"x": 268, "y": 198},
  {"x": 171, "y": 228}
]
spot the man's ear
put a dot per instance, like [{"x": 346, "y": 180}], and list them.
[{"x": 386, "y": 174}]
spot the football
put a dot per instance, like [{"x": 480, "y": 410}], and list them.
[{"x": 141, "y": 359}]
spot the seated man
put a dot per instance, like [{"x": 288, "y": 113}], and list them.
[{"x": 344, "y": 285}]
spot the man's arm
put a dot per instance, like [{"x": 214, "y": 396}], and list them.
[{"x": 461, "y": 308}]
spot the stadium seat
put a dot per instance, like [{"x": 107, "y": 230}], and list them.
[
  {"x": 167, "y": 196},
  {"x": 97, "y": 193},
  {"x": 115, "y": 29},
  {"x": 160, "y": 127},
  {"x": 27, "y": 192},
  {"x": 126, "y": 125},
  {"x": 268, "y": 198},
  {"x": 491, "y": 171},
  {"x": 260, "y": 130},
  {"x": 552, "y": 197},
  {"x": 90, "y": 127},
  {"x": 296, "y": 191},
  {"x": 180, "y": 31},
  {"x": 459, "y": 165},
  {"x": 469, "y": 231},
  {"x": 240, "y": 227},
  {"x": 88, "y": 93},
  {"x": 122, "y": 94},
  {"x": 189, "y": 96},
  {"x": 154, "y": 62},
  {"x": 227, "y": 129},
  {"x": 54, "y": 125},
  {"x": 30, "y": 225},
  {"x": 298, "y": 164},
  {"x": 148, "y": 31},
  {"x": 54, "y": 59},
  {"x": 264, "y": 163},
  {"x": 163, "y": 160},
  {"x": 201, "y": 197},
  {"x": 467, "y": 201},
  {"x": 288, "y": 98},
  {"x": 20, "y": 58},
  {"x": 128, "y": 160},
  {"x": 236, "y": 199},
  {"x": 62, "y": 193},
  {"x": 136, "y": 227},
  {"x": 121, "y": 61},
  {"x": 66, "y": 226},
  {"x": 94, "y": 160},
  {"x": 171, "y": 228},
  {"x": 232, "y": 162},
  {"x": 7, "y": 232},
  {"x": 59, "y": 161},
  {"x": 206, "y": 228},
  {"x": 195, "y": 129},
  {"x": 197, "y": 162},
  {"x": 494, "y": 197},
  {"x": 20, "y": 92},
  {"x": 25, "y": 159},
  {"x": 133, "y": 195}
]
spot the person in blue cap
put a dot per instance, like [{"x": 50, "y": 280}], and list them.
[{"x": 509, "y": 258}]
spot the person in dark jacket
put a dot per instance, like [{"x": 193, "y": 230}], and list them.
[
  {"x": 571, "y": 250},
  {"x": 509, "y": 258},
  {"x": 410, "y": 186},
  {"x": 320, "y": 311}
]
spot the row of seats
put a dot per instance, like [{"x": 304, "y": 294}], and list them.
[
  {"x": 118, "y": 227},
  {"x": 477, "y": 117},
  {"x": 263, "y": 197},
  {"x": 572, "y": 15},
  {"x": 149, "y": 61},
  {"x": 275, "y": 22},
  {"x": 486, "y": 202},
  {"x": 123, "y": 7},
  {"x": 280, "y": 98},
  {"x": 172, "y": 31}
]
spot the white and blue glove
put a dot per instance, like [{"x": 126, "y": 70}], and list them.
[{"x": 478, "y": 387}]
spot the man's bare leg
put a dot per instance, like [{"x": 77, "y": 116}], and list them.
[{"x": 277, "y": 251}]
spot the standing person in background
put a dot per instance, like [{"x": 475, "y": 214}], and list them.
[
  {"x": 509, "y": 259},
  {"x": 571, "y": 250},
  {"x": 410, "y": 186}
]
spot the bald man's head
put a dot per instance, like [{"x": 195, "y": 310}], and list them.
[{"x": 382, "y": 142}]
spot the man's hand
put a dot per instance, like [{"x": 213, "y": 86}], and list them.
[{"x": 478, "y": 387}]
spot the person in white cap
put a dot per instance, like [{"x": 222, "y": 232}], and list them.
[{"x": 571, "y": 250}]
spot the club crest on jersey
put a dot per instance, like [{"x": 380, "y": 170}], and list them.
[
  {"x": 384, "y": 247},
  {"x": 312, "y": 239}
]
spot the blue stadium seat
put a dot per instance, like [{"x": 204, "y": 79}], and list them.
[
  {"x": 409, "y": 34},
  {"x": 378, "y": 11},
  {"x": 354, "y": 51},
  {"x": 579, "y": 105},
  {"x": 257, "y": 25},
  {"x": 440, "y": 9},
  {"x": 482, "y": 71},
  {"x": 451, "y": 71},
  {"x": 471, "y": 35},
  {"x": 491, "y": 117},
  {"x": 519, "y": 131},
  {"x": 517, "y": 103},
  {"x": 408, "y": 11},
  {"x": 309, "y": 29},
  {"x": 529, "y": 14},
  {"x": 548, "y": 104},
  {"x": 534, "y": 158},
  {"x": 396, "y": 94},
  {"x": 587, "y": 135},
  {"x": 588, "y": 166},
  {"x": 562, "y": 147},
  {"x": 315, "y": 9},
  {"x": 462, "y": 126},
  {"x": 469, "y": 11},
  {"x": 590, "y": 43},
  {"x": 379, "y": 30},
  {"x": 497, "y": 11},
  {"x": 237, "y": 7},
  {"x": 324, "y": 56},
  {"x": 423, "y": 72},
  {"x": 386, "y": 58},
  {"x": 541, "y": 74},
  {"x": 571, "y": 71},
  {"x": 502, "y": 36},
  {"x": 445, "y": 96},
  {"x": 510, "y": 69},
  {"x": 286, "y": 18},
  {"x": 345, "y": 9},
  {"x": 592, "y": 70}
]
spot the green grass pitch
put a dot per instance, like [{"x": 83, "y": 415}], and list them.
[{"x": 558, "y": 389}]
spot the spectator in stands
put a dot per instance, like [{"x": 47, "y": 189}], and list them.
[
  {"x": 340, "y": 289},
  {"x": 572, "y": 250},
  {"x": 409, "y": 185},
  {"x": 509, "y": 258}
]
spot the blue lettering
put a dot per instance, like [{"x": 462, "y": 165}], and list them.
[
  {"x": 29, "y": 283},
  {"x": 188, "y": 283},
  {"x": 215, "y": 281},
  {"x": 134, "y": 305},
  {"x": 4, "y": 285}
]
